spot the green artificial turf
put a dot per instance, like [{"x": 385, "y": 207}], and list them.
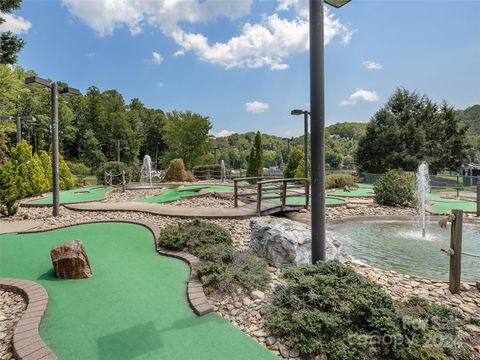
[
  {"x": 83, "y": 194},
  {"x": 446, "y": 207},
  {"x": 170, "y": 195},
  {"x": 364, "y": 186},
  {"x": 134, "y": 306},
  {"x": 360, "y": 192}
]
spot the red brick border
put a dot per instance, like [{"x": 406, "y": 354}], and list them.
[
  {"x": 196, "y": 297},
  {"x": 27, "y": 344}
]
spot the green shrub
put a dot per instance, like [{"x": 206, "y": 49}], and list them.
[
  {"x": 78, "y": 168},
  {"x": 339, "y": 181},
  {"x": 328, "y": 308},
  {"x": 9, "y": 191},
  {"x": 193, "y": 235},
  {"x": 65, "y": 175},
  {"x": 396, "y": 188},
  {"x": 219, "y": 253},
  {"x": 113, "y": 167},
  {"x": 176, "y": 172},
  {"x": 244, "y": 269},
  {"x": 294, "y": 159}
]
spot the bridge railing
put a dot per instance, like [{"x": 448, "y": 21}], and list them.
[{"x": 256, "y": 189}]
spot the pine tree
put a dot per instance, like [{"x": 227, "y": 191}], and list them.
[
  {"x": 251, "y": 163},
  {"x": 258, "y": 154},
  {"x": 294, "y": 160}
]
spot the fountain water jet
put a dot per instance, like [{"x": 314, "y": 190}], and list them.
[
  {"x": 146, "y": 171},
  {"x": 422, "y": 189}
]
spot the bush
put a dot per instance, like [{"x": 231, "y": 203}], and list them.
[
  {"x": 193, "y": 235},
  {"x": 396, "y": 188},
  {"x": 176, "y": 172},
  {"x": 114, "y": 167},
  {"x": 339, "y": 181},
  {"x": 294, "y": 159},
  {"x": 245, "y": 269},
  {"x": 9, "y": 191},
  {"x": 78, "y": 168},
  {"x": 328, "y": 308}
]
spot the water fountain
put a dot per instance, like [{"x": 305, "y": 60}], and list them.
[
  {"x": 222, "y": 170},
  {"x": 422, "y": 189},
  {"x": 146, "y": 171}
]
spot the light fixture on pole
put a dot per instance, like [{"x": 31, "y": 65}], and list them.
[
  {"x": 54, "y": 91},
  {"x": 18, "y": 119},
  {"x": 317, "y": 118},
  {"x": 305, "y": 114}
]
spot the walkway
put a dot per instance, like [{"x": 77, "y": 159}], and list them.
[
  {"x": 18, "y": 226},
  {"x": 166, "y": 210}
]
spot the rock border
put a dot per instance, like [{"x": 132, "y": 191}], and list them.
[
  {"x": 195, "y": 294},
  {"x": 27, "y": 343}
]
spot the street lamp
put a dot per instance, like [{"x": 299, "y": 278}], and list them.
[
  {"x": 305, "y": 114},
  {"x": 54, "y": 90},
  {"x": 216, "y": 148},
  {"x": 18, "y": 119},
  {"x": 317, "y": 118}
]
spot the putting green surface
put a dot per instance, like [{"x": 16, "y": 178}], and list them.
[
  {"x": 83, "y": 194},
  {"x": 360, "y": 192},
  {"x": 446, "y": 207},
  {"x": 134, "y": 306},
  {"x": 170, "y": 195}
]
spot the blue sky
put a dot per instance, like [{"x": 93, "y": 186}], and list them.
[{"x": 256, "y": 73}]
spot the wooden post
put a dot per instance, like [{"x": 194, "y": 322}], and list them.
[
  {"x": 123, "y": 181},
  {"x": 456, "y": 258},
  {"x": 284, "y": 195},
  {"x": 259, "y": 199},
  {"x": 235, "y": 193},
  {"x": 478, "y": 197},
  {"x": 307, "y": 194}
]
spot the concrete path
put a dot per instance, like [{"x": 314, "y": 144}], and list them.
[
  {"x": 18, "y": 226},
  {"x": 166, "y": 210}
]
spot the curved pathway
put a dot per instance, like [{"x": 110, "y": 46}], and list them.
[{"x": 166, "y": 210}]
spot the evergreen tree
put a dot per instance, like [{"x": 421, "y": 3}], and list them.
[
  {"x": 294, "y": 160},
  {"x": 65, "y": 175},
  {"x": 251, "y": 163},
  {"x": 255, "y": 160},
  {"x": 410, "y": 129}
]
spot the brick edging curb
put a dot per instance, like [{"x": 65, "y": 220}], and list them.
[
  {"x": 27, "y": 343},
  {"x": 195, "y": 295}
]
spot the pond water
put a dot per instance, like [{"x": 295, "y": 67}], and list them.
[{"x": 399, "y": 246}]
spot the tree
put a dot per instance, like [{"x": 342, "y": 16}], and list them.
[
  {"x": 410, "y": 129},
  {"x": 186, "y": 137},
  {"x": 255, "y": 160},
  {"x": 294, "y": 160},
  {"x": 10, "y": 44}
]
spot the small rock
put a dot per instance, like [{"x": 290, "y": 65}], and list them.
[
  {"x": 283, "y": 350},
  {"x": 246, "y": 301},
  {"x": 270, "y": 340},
  {"x": 257, "y": 294},
  {"x": 294, "y": 353}
]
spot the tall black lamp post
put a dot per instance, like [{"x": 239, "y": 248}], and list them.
[
  {"x": 54, "y": 90},
  {"x": 305, "y": 114},
  {"x": 317, "y": 117},
  {"x": 18, "y": 119}
]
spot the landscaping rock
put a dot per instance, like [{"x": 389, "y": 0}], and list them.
[
  {"x": 70, "y": 261},
  {"x": 285, "y": 242}
]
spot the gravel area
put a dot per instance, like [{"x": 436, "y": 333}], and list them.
[
  {"x": 12, "y": 306},
  {"x": 211, "y": 201}
]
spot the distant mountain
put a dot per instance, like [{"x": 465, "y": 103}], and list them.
[{"x": 471, "y": 117}]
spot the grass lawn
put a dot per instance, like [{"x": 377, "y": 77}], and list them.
[
  {"x": 134, "y": 306},
  {"x": 83, "y": 194}
]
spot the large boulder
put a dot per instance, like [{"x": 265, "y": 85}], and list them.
[
  {"x": 70, "y": 261},
  {"x": 284, "y": 242}
]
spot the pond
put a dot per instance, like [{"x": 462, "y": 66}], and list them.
[{"x": 399, "y": 246}]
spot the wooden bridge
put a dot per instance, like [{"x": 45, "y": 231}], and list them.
[{"x": 262, "y": 194}]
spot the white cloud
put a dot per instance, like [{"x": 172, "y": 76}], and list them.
[
  {"x": 361, "y": 95},
  {"x": 267, "y": 43},
  {"x": 372, "y": 65},
  {"x": 225, "y": 133},
  {"x": 256, "y": 107},
  {"x": 15, "y": 24},
  {"x": 157, "y": 58},
  {"x": 160, "y": 84}
]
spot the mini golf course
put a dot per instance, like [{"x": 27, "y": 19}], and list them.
[
  {"x": 364, "y": 190},
  {"x": 300, "y": 200},
  {"x": 170, "y": 195},
  {"x": 134, "y": 306},
  {"x": 83, "y": 194},
  {"x": 441, "y": 205}
]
